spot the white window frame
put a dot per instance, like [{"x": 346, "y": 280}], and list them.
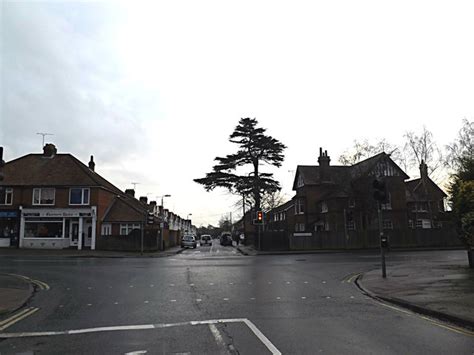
[
  {"x": 300, "y": 227},
  {"x": 106, "y": 229},
  {"x": 39, "y": 190},
  {"x": 128, "y": 227},
  {"x": 8, "y": 193},
  {"x": 350, "y": 225},
  {"x": 324, "y": 207},
  {"x": 299, "y": 206},
  {"x": 410, "y": 224},
  {"x": 82, "y": 203}
]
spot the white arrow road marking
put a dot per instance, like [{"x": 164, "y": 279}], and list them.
[{"x": 138, "y": 352}]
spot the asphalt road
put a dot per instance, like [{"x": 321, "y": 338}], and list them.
[{"x": 212, "y": 300}]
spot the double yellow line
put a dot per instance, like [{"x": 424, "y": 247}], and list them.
[
  {"x": 350, "y": 278},
  {"x": 4, "y": 324},
  {"x": 41, "y": 285}
]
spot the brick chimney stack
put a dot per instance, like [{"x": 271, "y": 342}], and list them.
[
  {"x": 91, "y": 163},
  {"x": 130, "y": 192},
  {"x": 144, "y": 199},
  {"x": 423, "y": 170},
  {"x": 49, "y": 150},
  {"x": 323, "y": 158}
]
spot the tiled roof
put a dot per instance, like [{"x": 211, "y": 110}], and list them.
[
  {"x": 59, "y": 170},
  {"x": 415, "y": 190},
  {"x": 122, "y": 209}
]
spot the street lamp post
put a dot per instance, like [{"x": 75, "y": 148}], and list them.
[
  {"x": 162, "y": 217},
  {"x": 187, "y": 218}
]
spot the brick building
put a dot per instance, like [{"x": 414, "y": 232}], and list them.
[
  {"x": 53, "y": 200},
  {"x": 333, "y": 206}
]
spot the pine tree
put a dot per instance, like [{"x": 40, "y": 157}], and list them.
[{"x": 255, "y": 148}]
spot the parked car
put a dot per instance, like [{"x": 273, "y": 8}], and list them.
[
  {"x": 226, "y": 239},
  {"x": 206, "y": 239},
  {"x": 188, "y": 241}
]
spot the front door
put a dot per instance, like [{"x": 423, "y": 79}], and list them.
[
  {"x": 87, "y": 232},
  {"x": 74, "y": 233}
]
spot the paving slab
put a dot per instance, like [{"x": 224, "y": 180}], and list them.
[{"x": 440, "y": 289}]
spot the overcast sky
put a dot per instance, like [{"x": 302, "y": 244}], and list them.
[{"x": 154, "y": 89}]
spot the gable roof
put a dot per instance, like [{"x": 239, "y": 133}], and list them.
[
  {"x": 59, "y": 170},
  {"x": 123, "y": 209},
  {"x": 343, "y": 174},
  {"x": 416, "y": 191}
]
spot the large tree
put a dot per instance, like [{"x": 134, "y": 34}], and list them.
[
  {"x": 422, "y": 147},
  {"x": 255, "y": 149}
]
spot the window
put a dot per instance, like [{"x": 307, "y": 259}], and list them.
[
  {"x": 410, "y": 223},
  {"x": 127, "y": 228},
  {"x": 387, "y": 205},
  {"x": 282, "y": 216},
  {"x": 387, "y": 224},
  {"x": 79, "y": 196},
  {"x": 299, "y": 206},
  {"x": 324, "y": 207},
  {"x": 300, "y": 182},
  {"x": 106, "y": 229},
  {"x": 6, "y": 196},
  {"x": 299, "y": 227},
  {"x": 352, "y": 203},
  {"x": 423, "y": 223},
  {"x": 420, "y": 207},
  {"x": 43, "y": 228},
  {"x": 43, "y": 196},
  {"x": 350, "y": 225}
]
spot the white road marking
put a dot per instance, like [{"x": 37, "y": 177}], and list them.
[
  {"x": 198, "y": 300},
  {"x": 324, "y": 282},
  {"x": 115, "y": 302},
  {"x": 138, "y": 352},
  {"x": 278, "y": 298},
  {"x": 89, "y": 304},
  {"x": 328, "y": 297},
  {"x": 191, "y": 284},
  {"x": 252, "y": 298},
  {"x": 303, "y": 298},
  {"x": 306, "y": 282},
  {"x": 247, "y": 322},
  {"x": 225, "y": 299},
  {"x": 231, "y": 283},
  {"x": 146, "y": 302},
  {"x": 217, "y": 335},
  {"x": 173, "y": 300},
  {"x": 171, "y": 284}
]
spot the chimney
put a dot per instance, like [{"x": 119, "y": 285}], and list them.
[
  {"x": 130, "y": 192},
  {"x": 423, "y": 170},
  {"x": 49, "y": 150},
  {"x": 323, "y": 159},
  {"x": 144, "y": 199},
  {"x": 91, "y": 163}
]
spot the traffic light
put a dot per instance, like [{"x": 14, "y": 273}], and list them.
[
  {"x": 380, "y": 190},
  {"x": 258, "y": 218}
]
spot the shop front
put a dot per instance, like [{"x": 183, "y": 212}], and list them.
[
  {"x": 58, "y": 228},
  {"x": 9, "y": 228}
]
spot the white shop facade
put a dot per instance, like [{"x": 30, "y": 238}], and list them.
[{"x": 58, "y": 228}]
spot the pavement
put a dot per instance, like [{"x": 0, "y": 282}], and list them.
[
  {"x": 440, "y": 289},
  {"x": 87, "y": 253},
  {"x": 14, "y": 293}
]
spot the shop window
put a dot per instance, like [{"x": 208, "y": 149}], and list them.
[
  {"x": 6, "y": 196},
  {"x": 43, "y": 229},
  {"x": 127, "y": 228},
  {"x": 43, "y": 196},
  {"x": 79, "y": 196}
]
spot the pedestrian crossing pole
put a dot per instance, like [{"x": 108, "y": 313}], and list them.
[{"x": 382, "y": 248}]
